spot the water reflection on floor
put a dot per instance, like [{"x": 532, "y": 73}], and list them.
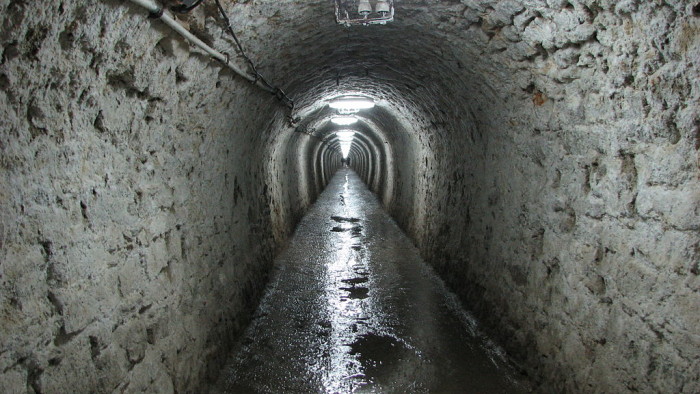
[{"x": 351, "y": 307}]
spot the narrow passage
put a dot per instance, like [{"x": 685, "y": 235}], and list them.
[{"x": 352, "y": 307}]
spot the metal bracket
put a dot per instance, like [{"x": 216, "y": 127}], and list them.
[{"x": 186, "y": 6}]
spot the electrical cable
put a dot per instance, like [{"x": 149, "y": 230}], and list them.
[
  {"x": 235, "y": 38},
  {"x": 281, "y": 96},
  {"x": 157, "y": 12}
]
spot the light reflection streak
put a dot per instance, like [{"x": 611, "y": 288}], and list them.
[{"x": 349, "y": 314}]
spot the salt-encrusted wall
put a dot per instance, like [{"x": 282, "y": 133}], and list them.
[
  {"x": 136, "y": 224},
  {"x": 566, "y": 212}
]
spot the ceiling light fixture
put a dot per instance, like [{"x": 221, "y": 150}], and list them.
[
  {"x": 344, "y": 120},
  {"x": 345, "y": 135},
  {"x": 364, "y": 8},
  {"x": 359, "y": 12},
  {"x": 351, "y": 104},
  {"x": 383, "y": 8}
]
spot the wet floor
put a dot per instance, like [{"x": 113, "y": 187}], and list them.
[{"x": 351, "y": 307}]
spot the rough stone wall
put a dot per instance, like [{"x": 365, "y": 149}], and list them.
[
  {"x": 573, "y": 227},
  {"x": 135, "y": 227}
]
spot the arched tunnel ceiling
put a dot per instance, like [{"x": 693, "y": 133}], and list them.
[
  {"x": 439, "y": 60},
  {"x": 420, "y": 60},
  {"x": 318, "y": 57}
]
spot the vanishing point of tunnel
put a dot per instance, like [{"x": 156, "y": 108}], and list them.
[{"x": 190, "y": 203}]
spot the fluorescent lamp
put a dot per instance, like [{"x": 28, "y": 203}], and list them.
[
  {"x": 348, "y": 111},
  {"x": 351, "y": 103},
  {"x": 345, "y": 134},
  {"x": 344, "y": 120}
]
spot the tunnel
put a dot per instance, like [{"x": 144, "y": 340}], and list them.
[{"x": 541, "y": 155}]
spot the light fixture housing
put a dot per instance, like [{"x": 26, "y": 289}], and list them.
[
  {"x": 364, "y": 8},
  {"x": 345, "y": 135},
  {"x": 344, "y": 120},
  {"x": 359, "y": 12},
  {"x": 351, "y": 104},
  {"x": 383, "y": 8}
]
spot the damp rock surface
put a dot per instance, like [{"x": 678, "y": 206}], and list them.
[
  {"x": 135, "y": 233},
  {"x": 374, "y": 318}
]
